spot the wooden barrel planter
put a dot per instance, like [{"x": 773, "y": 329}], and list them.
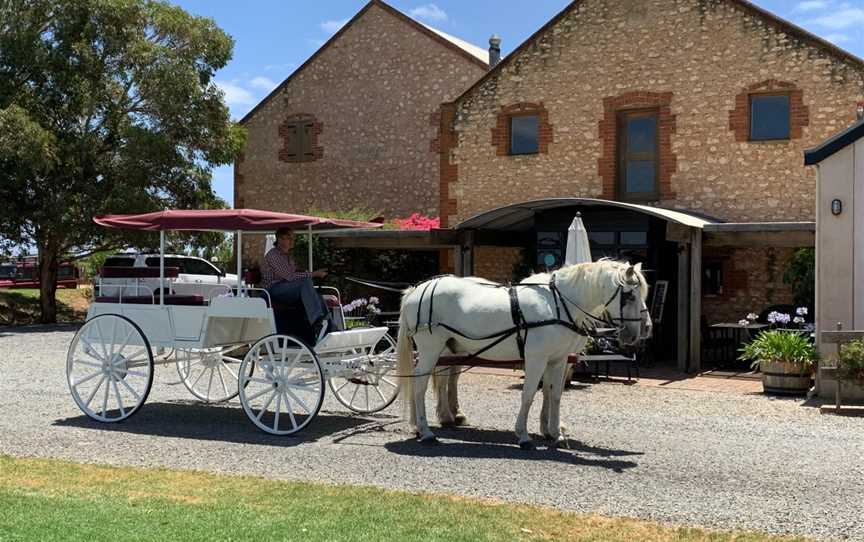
[{"x": 780, "y": 378}]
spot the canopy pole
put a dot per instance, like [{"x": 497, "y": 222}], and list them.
[
  {"x": 239, "y": 263},
  {"x": 309, "y": 232},
  {"x": 161, "y": 267}
]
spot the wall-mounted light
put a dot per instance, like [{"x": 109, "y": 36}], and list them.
[
  {"x": 860, "y": 110},
  {"x": 836, "y": 207}
]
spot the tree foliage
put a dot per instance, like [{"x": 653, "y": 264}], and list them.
[{"x": 106, "y": 106}]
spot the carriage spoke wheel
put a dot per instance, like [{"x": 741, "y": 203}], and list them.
[
  {"x": 210, "y": 374},
  {"x": 281, "y": 384},
  {"x": 373, "y": 387},
  {"x": 109, "y": 368}
]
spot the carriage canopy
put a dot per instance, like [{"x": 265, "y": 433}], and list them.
[{"x": 225, "y": 220}]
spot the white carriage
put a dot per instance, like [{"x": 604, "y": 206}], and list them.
[{"x": 224, "y": 345}]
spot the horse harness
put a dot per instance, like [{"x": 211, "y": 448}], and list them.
[{"x": 520, "y": 325}]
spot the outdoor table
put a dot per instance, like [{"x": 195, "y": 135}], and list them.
[{"x": 732, "y": 335}]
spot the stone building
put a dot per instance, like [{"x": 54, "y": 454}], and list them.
[
  {"x": 353, "y": 126},
  {"x": 677, "y": 128}
]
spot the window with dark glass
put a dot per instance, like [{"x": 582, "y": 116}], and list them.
[
  {"x": 524, "y": 134},
  {"x": 770, "y": 117},
  {"x": 712, "y": 278},
  {"x": 637, "y": 153},
  {"x": 299, "y": 141}
]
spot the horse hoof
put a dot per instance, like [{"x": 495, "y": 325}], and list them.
[
  {"x": 429, "y": 441},
  {"x": 527, "y": 445},
  {"x": 460, "y": 419}
]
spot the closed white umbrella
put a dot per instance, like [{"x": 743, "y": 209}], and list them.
[{"x": 578, "y": 249}]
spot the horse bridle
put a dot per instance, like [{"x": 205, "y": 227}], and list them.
[{"x": 624, "y": 297}]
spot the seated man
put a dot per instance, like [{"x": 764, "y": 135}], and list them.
[{"x": 288, "y": 286}]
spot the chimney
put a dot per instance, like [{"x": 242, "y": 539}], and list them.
[{"x": 494, "y": 50}]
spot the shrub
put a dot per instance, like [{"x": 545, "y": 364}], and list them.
[{"x": 852, "y": 360}]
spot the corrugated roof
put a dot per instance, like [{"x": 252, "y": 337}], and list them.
[
  {"x": 834, "y": 144},
  {"x": 479, "y": 52},
  {"x": 519, "y": 215}
]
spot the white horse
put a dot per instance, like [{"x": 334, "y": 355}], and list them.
[{"x": 465, "y": 316}]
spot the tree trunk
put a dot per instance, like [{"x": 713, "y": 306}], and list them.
[{"x": 48, "y": 266}]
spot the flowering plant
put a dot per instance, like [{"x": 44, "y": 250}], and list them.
[
  {"x": 363, "y": 307},
  {"x": 417, "y": 222}
]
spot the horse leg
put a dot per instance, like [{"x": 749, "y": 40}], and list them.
[
  {"x": 453, "y": 396},
  {"x": 441, "y": 383},
  {"x": 533, "y": 373},
  {"x": 425, "y": 367},
  {"x": 544, "y": 409},
  {"x": 555, "y": 377}
]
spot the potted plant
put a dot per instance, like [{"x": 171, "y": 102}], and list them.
[
  {"x": 851, "y": 368},
  {"x": 786, "y": 359}
]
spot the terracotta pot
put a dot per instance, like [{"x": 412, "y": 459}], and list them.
[{"x": 782, "y": 378}]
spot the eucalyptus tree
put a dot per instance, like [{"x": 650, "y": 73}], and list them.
[{"x": 106, "y": 106}]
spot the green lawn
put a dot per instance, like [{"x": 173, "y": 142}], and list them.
[
  {"x": 46, "y": 500},
  {"x": 21, "y": 306}
]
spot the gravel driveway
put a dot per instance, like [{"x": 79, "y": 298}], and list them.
[{"x": 711, "y": 459}]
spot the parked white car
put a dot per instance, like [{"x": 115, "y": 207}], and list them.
[{"x": 196, "y": 276}]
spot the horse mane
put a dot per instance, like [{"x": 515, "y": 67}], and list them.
[{"x": 594, "y": 270}]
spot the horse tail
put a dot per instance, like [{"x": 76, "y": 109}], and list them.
[{"x": 405, "y": 365}]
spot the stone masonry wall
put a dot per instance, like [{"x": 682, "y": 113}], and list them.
[
  {"x": 705, "y": 53},
  {"x": 496, "y": 263},
  {"x": 753, "y": 281},
  {"x": 373, "y": 91}
]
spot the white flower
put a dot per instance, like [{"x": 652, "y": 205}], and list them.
[
  {"x": 753, "y": 316},
  {"x": 374, "y": 300},
  {"x": 798, "y": 320},
  {"x": 744, "y": 322},
  {"x": 783, "y": 318},
  {"x": 772, "y": 317},
  {"x": 801, "y": 311}
]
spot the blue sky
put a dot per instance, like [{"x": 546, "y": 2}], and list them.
[{"x": 273, "y": 37}]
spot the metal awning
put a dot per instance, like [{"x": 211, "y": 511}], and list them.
[{"x": 520, "y": 216}]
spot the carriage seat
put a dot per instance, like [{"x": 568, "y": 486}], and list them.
[{"x": 172, "y": 299}]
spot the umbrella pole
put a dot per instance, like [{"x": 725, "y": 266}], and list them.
[
  {"x": 239, "y": 264},
  {"x": 309, "y": 232}
]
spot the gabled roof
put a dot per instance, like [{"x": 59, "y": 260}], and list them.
[
  {"x": 835, "y": 144},
  {"x": 744, "y": 5},
  {"x": 470, "y": 52}
]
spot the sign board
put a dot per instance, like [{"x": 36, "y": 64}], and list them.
[{"x": 658, "y": 302}]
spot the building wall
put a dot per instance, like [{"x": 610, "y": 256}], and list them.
[
  {"x": 753, "y": 281},
  {"x": 496, "y": 263},
  {"x": 374, "y": 94},
  {"x": 694, "y": 59}
]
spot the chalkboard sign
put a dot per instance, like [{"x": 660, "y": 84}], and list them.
[{"x": 658, "y": 302}]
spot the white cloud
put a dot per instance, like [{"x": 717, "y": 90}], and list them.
[
  {"x": 263, "y": 83},
  {"x": 235, "y": 94},
  {"x": 811, "y": 5},
  {"x": 838, "y": 38},
  {"x": 845, "y": 17},
  {"x": 332, "y": 27},
  {"x": 430, "y": 12}
]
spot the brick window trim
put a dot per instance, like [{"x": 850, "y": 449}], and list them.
[
  {"x": 317, "y": 128},
  {"x": 607, "y": 165},
  {"x": 501, "y": 131},
  {"x": 739, "y": 118}
]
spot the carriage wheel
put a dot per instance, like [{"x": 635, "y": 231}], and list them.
[
  {"x": 109, "y": 368},
  {"x": 287, "y": 388},
  {"x": 210, "y": 374},
  {"x": 372, "y": 388}
]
